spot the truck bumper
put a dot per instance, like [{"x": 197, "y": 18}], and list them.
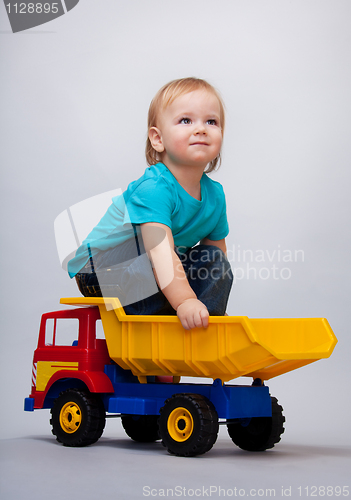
[{"x": 29, "y": 404}]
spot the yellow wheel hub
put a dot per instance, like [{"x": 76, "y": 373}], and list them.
[
  {"x": 180, "y": 424},
  {"x": 70, "y": 417}
]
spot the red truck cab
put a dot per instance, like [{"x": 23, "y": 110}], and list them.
[{"x": 68, "y": 350}]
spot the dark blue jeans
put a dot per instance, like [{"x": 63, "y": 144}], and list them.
[{"x": 125, "y": 272}]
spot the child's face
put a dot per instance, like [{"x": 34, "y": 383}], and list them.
[{"x": 188, "y": 131}]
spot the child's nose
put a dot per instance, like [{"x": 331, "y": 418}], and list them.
[{"x": 200, "y": 129}]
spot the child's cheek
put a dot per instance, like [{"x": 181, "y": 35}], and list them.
[{"x": 179, "y": 143}]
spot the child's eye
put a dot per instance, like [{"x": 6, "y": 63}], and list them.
[
  {"x": 185, "y": 121},
  {"x": 212, "y": 122}
]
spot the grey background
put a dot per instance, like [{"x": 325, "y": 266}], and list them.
[{"x": 74, "y": 99}]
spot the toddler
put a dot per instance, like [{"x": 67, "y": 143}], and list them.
[{"x": 160, "y": 247}]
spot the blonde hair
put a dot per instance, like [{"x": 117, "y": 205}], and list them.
[{"x": 165, "y": 96}]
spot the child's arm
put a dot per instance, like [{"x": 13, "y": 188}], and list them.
[{"x": 170, "y": 275}]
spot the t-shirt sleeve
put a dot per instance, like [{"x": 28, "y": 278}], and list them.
[
  {"x": 151, "y": 201},
  {"x": 222, "y": 228}
]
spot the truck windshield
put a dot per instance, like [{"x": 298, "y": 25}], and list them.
[{"x": 61, "y": 331}]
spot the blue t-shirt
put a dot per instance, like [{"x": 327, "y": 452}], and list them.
[{"x": 158, "y": 197}]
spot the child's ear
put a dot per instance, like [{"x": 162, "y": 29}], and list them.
[{"x": 156, "y": 139}]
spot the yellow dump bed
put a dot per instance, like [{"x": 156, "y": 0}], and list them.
[{"x": 231, "y": 346}]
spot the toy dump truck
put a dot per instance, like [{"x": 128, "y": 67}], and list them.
[{"x": 134, "y": 372}]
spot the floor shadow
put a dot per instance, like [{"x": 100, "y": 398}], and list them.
[{"x": 222, "y": 448}]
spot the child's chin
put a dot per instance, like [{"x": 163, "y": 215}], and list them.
[{"x": 201, "y": 159}]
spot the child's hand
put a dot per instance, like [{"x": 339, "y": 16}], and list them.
[{"x": 192, "y": 313}]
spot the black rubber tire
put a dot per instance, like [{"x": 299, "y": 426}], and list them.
[
  {"x": 204, "y": 428},
  {"x": 262, "y": 433},
  {"x": 141, "y": 428},
  {"x": 88, "y": 411}
]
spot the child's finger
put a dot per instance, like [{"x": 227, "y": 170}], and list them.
[
  {"x": 198, "y": 319},
  {"x": 192, "y": 320},
  {"x": 204, "y": 317},
  {"x": 185, "y": 323}
]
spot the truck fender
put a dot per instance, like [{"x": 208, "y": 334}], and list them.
[{"x": 96, "y": 382}]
